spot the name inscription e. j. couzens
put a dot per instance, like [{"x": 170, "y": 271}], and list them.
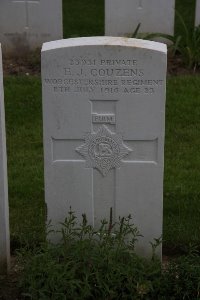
[{"x": 104, "y": 76}]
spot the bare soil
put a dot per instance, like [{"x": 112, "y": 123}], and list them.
[{"x": 29, "y": 64}]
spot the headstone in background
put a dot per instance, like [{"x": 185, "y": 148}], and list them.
[
  {"x": 4, "y": 211},
  {"x": 123, "y": 17},
  {"x": 104, "y": 112},
  {"x": 197, "y": 16},
  {"x": 26, "y": 24}
]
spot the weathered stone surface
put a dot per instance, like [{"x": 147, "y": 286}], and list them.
[
  {"x": 4, "y": 214},
  {"x": 123, "y": 17},
  {"x": 103, "y": 110},
  {"x": 197, "y": 17},
  {"x": 26, "y": 24}
]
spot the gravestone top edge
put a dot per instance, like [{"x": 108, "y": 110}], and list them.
[{"x": 105, "y": 41}]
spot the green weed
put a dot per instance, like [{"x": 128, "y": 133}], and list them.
[
  {"x": 185, "y": 44},
  {"x": 89, "y": 264},
  {"x": 102, "y": 264}
]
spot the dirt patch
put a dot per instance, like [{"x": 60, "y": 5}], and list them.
[
  {"x": 30, "y": 64},
  {"x": 176, "y": 67}
]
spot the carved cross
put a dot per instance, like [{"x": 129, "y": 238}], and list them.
[
  {"x": 26, "y": 3},
  {"x": 105, "y": 152}
]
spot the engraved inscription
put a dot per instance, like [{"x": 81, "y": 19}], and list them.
[
  {"x": 103, "y": 118},
  {"x": 103, "y": 150},
  {"x": 104, "y": 76}
]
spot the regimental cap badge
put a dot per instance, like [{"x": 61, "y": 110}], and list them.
[{"x": 103, "y": 150}]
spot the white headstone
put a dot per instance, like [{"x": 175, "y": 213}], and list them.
[
  {"x": 197, "y": 18},
  {"x": 4, "y": 214},
  {"x": 123, "y": 17},
  {"x": 103, "y": 110},
  {"x": 27, "y": 24}
]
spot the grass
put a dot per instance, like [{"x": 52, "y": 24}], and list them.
[
  {"x": 83, "y": 18},
  {"x": 186, "y": 8},
  {"x": 25, "y": 158},
  {"x": 182, "y": 161}
]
